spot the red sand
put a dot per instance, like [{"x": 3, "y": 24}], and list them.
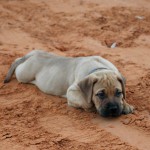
[{"x": 32, "y": 120}]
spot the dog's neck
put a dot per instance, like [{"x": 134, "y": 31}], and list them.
[{"x": 97, "y": 69}]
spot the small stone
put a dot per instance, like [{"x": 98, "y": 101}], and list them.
[
  {"x": 139, "y": 17},
  {"x": 113, "y": 45},
  {"x": 127, "y": 121}
]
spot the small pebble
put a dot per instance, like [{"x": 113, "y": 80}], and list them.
[{"x": 113, "y": 45}]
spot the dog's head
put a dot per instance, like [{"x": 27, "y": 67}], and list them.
[{"x": 106, "y": 90}]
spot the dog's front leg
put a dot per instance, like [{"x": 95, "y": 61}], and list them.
[
  {"x": 127, "y": 108},
  {"x": 76, "y": 99}
]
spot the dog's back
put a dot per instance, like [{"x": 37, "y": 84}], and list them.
[{"x": 53, "y": 74}]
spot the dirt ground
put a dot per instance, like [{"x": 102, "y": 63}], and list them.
[{"x": 32, "y": 120}]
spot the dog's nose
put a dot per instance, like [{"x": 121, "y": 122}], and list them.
[{"x": 113, "y": 109}]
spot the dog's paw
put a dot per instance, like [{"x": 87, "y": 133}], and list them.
[
  {"x": 91, "y": 109},
  {"x": 128, "y": 109}
]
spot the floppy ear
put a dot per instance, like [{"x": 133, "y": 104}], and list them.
[
  {"x": 86, "y": 87},
  {"x": 122, "y": 80}
]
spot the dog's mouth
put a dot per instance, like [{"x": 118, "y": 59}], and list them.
[
  {"x": 111, "y": 110},
  {"x": 108, "y": 113}
]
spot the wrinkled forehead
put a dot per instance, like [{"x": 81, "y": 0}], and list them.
[{"x": 108, "y": 83}]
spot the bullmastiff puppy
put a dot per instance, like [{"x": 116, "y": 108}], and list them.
[{"x": 86, "y": 82}]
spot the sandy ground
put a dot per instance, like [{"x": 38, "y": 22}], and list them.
[{"x": 32, "y": 120}]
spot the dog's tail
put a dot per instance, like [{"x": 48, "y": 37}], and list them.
[
  {"x": 17, "y": 62},
  {"x": 14, "y": 65}
]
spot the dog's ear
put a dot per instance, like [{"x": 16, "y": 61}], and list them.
[
  {"x": 86, "y": 87},
  {"x": 122, "y": 80}
]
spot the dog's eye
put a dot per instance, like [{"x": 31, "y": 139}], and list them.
[
  {"x": 101, "y": 94},
  {"x": 118, "y": 93}
]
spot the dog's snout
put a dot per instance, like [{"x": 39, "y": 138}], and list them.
[{"x": 113, "y": 109}]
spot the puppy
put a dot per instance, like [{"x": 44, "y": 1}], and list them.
[{"x": 87, "y": 82}]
